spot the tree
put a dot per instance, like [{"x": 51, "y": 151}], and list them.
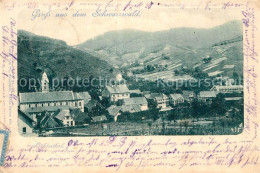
[{"x": 111, "y": 70}]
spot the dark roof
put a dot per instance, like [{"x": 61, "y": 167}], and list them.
[
  {"x": 25, "y": 116},
  {"x": 35, "y": 97},
  {"x": 93, "y": 103},
  {"x": 77, "y": 115},
  {"x": 48, "y": 121}
]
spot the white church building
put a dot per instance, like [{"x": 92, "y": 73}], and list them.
[{"x": 34, "y": 103}]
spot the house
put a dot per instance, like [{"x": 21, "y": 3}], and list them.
[
  {"x": 206, "y": 96},
  {"x": 64, "y": 117},
  {"x": 72, "y": 117},
  {"x": 79, "y": 118},
  {"x": 97, "y": 119},
  {"x": 228, "y": 89},
  {"x": 175, "y": 99},
  {"x": 85, "y": 96},
  {"x": 47, "y": 120},
  {"x": 94, "y": 106},
  {"x": 116, "y": 92},
  {"x": 25, "y": 123},
  {"x": 114, "y": 111},
  {"x": 141, "y": 101},
  {"x": 130, "y": 109},
  {"x": 188, "y": 95},
  {"x": 161, "y": 100},
  {"x": 233, "y": 99}
]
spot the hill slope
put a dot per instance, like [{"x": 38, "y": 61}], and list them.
[
  {"x": 129, "y": 46},
  {"x": 37, "y": 54}
]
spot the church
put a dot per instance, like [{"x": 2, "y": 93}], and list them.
[{"x": 34, "y": 103}]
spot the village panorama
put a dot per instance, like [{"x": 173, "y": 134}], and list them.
[{"x": 182, "y": 81}]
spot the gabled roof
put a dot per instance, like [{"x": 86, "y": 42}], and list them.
[
  {"x": 152, "y": 95},
  {"x": 62, "y": 113},
  {"x": 233, "y": 98},
  {"x": 48, "y": 121},
  {"x": 228, "y": 87},
  {"x": 186, "y": 94},
  {"x": 135, "y": 101},
  {"x": 117, "y": 89},
  {"x": 25, "y": 116},
  {"x": 91, "y": 104},
  {"x": 36, "y": 97},
  {"x": 131, "y": 108},
  {"x": 113, "y": 110},
  {"x": 176, "y": 96},
  {"x": 99, "y": 118},
  {"x": 85, "y": 96},
  {"x": 207, "y": 94},
  {"x": 77, "y": 115}
]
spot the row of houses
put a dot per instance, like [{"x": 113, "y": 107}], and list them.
[
  {"x": 165, "y": 103},
  {"x": 119, "y": 92},
  {"x": 60, "y": 118}
]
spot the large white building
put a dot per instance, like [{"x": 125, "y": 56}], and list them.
[
  {"x": 175, "y": 99},
  {"x": 116, "y": 92},
  {"x": 34, "y": 103},
  {"x": 228, "y": 89},
  {"x": 206, "y": 96},
  {"x": 160, "y": 99}
]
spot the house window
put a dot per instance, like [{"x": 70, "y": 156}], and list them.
[
  {"x": 54, "y": 104},
  {"x": 76, "y": 104},
  {"x": 79, "y": 103},
  {"x": 71, "y": 123},
  {"x": 24, "y": 129}
]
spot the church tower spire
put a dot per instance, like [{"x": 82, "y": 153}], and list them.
[{"x": 45, "y": 83}]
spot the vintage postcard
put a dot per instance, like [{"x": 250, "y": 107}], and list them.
[{"x": 129, "y": 86}]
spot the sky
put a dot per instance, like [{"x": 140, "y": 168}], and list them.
[{"x": 77, "y": 30}]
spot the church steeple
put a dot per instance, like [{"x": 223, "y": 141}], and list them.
[{"x": 45, "y": 83}]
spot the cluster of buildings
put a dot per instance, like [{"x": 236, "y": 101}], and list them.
[
  {"x": 51, "y": 109},
  {"x": 146, "y": 100}
]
